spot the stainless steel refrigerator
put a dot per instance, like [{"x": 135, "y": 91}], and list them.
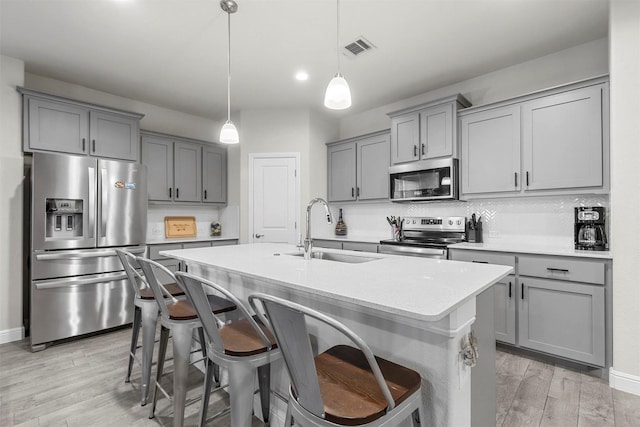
[{"x": 82, "y": 209}]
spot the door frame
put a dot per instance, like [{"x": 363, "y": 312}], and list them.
[{"x": 287, "y": 155}]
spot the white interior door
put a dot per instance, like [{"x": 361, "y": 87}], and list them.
[{"x": 274, "y": 198}]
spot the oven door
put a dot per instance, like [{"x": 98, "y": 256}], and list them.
[{"x": 419, "y": 251}]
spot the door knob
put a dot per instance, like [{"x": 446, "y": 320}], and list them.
[{"x": 259, "y": 235}]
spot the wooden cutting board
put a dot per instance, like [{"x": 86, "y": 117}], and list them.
[{"x": 179, "y": 226}]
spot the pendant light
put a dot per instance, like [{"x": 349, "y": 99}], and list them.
[
  {"x": 338, "y": 94},
  {"x": 229, "y": 133}
]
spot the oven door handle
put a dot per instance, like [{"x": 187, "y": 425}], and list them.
[{"x": 426, "y": 252}]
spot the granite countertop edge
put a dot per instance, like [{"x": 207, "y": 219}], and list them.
[{"x": 533, "y": 249}]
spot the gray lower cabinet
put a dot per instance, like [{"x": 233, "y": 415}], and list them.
[
  {"x": 551, "y": 142},
  {"x": 58, "y": 124},
  {"x": 551, "y": 304},
  {"x": 172, "y": 263},
  {"x": 184, "y": 170},
  {"x": 357, "y": 168},
  {"x": 562, "y": 318},
  {"x": 344, "y": 245}
]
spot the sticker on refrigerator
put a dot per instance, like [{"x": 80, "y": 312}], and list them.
[{"x": 125, "y": 185}]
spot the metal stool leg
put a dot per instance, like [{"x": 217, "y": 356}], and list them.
[
  {"x": 162, "y": 352},
  {"x": 134, "y": 340},
  {"x": 241, "y": 380},
  {"x": 208, "y": 379},
  {"x": 264, "y": 380},
  {"x": 182, "y": 335},
  {"x": 149, "y": 320}
]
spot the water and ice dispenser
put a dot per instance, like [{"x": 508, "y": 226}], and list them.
[{"x": 64, "y": 218}]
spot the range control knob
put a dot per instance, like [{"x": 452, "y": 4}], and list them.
[
  {"x": 450, "y": 222},
  {"x": 458, "y": 222}
]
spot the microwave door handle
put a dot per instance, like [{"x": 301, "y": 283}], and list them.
[
  {"x": 103, "y": 202},
  {"x": 92, "y": 200}
]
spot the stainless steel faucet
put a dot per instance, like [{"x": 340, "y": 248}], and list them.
[{"x": 307, "y": 239}]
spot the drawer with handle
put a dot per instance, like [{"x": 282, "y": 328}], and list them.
[
  {"x": 483, "y": 257},
  {"x": 562, "y": 268}
]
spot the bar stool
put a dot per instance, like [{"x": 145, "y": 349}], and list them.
[
  {"x": 181, "y": 318},
  {"x": 343, "y": 385},
  {"x": 145, "y": 316},
  {"x": 240, "y": 346}
]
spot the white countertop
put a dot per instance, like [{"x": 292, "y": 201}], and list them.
[
  {"x": 163, "y": 241},
  {"x": 419, "y": 288},
  {"x": 527, "y": 248}
]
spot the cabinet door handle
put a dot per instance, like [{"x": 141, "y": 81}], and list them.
[
  {"x": 423, "y": 149},
  {"x": 205, "y": 194},
  {"x": 522, "y": 290},
  {"x": 559, "y": 270},
  {"x": 169, "y": 192},
  {"x": 509, "y": 290},
  {"x": 515, "y": 179},
  {"x": 84, "y": 141},
  {"x": 481, "y": 262},
  {"x": 94, "y": 145},
  {"x": 357, "y": 191},
  {"x": 177, "y": 193},
  {"x": 415, "y": 151},
  {"x": 527, "y": 178},
  {"x": 352, "y": 192}
]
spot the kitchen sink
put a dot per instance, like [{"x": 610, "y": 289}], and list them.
[{"x": 333, "y": 256}]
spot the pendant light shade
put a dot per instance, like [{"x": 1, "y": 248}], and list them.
[
  {"x": 338, "y": 94},
  {"x": 229, "y": 133}
]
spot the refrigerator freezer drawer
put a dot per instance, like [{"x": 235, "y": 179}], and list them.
[
  {"x": 47, "y": 264},
  {"x": 67, "y": 307}
]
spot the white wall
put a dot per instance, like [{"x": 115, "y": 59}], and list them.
[
  {"x": 577, "y": 63},
  {"x": 11, "y": 189},
  {"x": 624, "y": 28},
  {"x": 285, "y": 131}
]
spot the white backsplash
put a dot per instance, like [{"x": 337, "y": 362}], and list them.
[
  {"x": 544, "y": 220},
  {"x": 227, "y": 216}
]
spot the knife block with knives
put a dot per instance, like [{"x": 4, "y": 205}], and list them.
[{"x": 474, "y": 229}]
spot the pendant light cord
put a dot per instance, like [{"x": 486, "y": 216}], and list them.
[
  {"x": 338, "y": 34},
  {"x": 229, "y": 67}
]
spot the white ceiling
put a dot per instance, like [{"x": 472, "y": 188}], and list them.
[{"x": 172, "y": 53}]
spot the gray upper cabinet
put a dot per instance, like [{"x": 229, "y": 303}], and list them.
[
  {"x": 114, "y": 136},
  {"x": 184, "y": 170},
  {"x": 562, "y": 140},
  {"x": 552, "y": 142},
  {"x": 157, "y": 154},
  {"x": 214, "y": 174},
  {"x": 62, "y": 125},
  {"x": 358, "y": 168},
  {"x": 188, "y": 172},
  {"x": 490, "y": 151},
  {"x": 426, "y": 131}
]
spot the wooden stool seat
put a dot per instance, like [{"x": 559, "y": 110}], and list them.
[
  {"x": 183, "y": 310},
  {"x": 349, "y": 389},
  {"x": 172, "y": 288},
  {"x": 240, "y": 339}
]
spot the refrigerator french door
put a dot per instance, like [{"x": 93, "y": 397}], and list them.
[{"x": 82, "y": 209}]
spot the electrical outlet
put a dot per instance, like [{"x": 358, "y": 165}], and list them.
[{"x": 494, "y": 234}]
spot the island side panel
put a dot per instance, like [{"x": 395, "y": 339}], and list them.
[{"x": 446, "y": 384}]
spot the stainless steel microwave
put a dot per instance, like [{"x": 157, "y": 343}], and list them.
[{"x": 424, "y": 180}]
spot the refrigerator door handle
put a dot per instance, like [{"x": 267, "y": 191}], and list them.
[
  {"x": 103, "y": 202},
  {"x": 47, "y": 256},
  {"x": 92, "y": 202},
  {"x": 66, "y": 282}
]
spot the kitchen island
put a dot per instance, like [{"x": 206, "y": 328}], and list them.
[{"x": 414, "y": 311}]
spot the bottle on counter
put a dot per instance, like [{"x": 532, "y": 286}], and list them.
[
  {"x": 341, "y": 226},
  {"x": 216, "y": 228}
]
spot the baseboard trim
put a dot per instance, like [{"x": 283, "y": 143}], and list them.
[
  {"x": 10, "y": 335},
  {"x": 624, "y": 382}
]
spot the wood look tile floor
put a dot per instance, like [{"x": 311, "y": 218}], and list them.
[{"x": 81, "y": 383}]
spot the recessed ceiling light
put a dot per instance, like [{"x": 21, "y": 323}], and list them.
[{"x": 302, "y": 76}]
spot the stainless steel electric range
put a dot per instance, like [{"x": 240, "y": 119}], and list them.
[{"x": 427, "y": 237}]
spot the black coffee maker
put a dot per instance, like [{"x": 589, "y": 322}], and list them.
[{"x": 589, "y": 229}]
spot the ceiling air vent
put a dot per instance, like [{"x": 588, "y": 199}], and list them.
[{"x": 358, "y": 47}]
